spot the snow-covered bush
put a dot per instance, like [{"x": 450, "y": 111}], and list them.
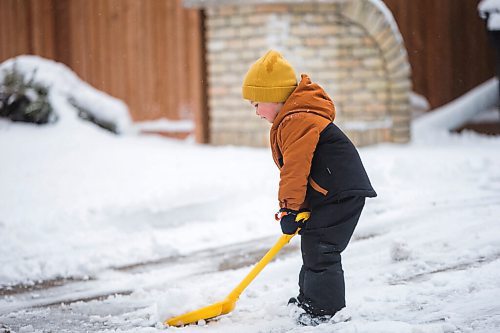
[
  {"x": 22, "y": 99},
  {"x": 45, "y": 91}
]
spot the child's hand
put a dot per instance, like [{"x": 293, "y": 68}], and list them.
[{"x": 290, "y": 220}]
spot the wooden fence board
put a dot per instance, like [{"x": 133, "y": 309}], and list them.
[{"x": 134, "y": 50}]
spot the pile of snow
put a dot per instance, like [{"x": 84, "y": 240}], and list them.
[
  {"x": 490, "y": 10},
  {"x": 66, "y": 88},
  {"x": 419, "y": 102},
  {"x": 487, "y": 116},
  {"x": 456, "y": 113}
]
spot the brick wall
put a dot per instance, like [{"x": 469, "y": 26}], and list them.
[{"x": 349, "y": 48}]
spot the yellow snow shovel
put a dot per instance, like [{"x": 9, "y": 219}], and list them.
[{"x": 229, "y": 303}]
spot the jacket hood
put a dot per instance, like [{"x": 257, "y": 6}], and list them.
[{"x": 307, "y": 97}]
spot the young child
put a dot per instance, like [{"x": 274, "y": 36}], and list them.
[{"x": 320, "y": 171}]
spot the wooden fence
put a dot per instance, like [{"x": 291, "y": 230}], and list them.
[
  {"x": 147, "y": 53},
  {"x": 447, "y": 46}
]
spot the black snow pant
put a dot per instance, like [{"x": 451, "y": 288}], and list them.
[{"x": 324, "y": 237}]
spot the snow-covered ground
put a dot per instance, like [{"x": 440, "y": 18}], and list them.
[{"x": 145, "y": 228}]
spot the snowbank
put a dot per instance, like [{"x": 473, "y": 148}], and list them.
[{"x": 456, "y": 113}]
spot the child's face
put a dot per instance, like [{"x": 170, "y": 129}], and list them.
[{"x": 267, "y": 111}]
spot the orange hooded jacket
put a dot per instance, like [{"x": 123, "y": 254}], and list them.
[{"x": 295, "y": 132}]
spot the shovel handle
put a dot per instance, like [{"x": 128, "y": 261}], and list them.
[{"x": 282, "y": 241}]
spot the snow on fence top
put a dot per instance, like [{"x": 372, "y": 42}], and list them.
[
  {"x": 67, "y": 90},
  {"x": 490, "y": 10}
]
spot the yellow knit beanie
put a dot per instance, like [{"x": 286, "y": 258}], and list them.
[{"x": 269, "y": 79}]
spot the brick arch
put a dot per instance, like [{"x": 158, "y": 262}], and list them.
[
  {"x": 349, "y": 47},
  {"x": 379, "y": 24}
]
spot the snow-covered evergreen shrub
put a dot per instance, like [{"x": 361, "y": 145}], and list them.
[
  {"x": 44, "y": 91},
  {"x": 25, "y": 100}
]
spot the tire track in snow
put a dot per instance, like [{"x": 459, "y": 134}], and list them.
[
  {"x": 460, "y": 266},
  {"x": 118, "y": 280}
]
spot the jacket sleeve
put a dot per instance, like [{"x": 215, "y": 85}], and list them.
[{"x": 298, "y": 137}]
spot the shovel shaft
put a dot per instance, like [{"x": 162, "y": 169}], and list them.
[
  {"x": 236, "y": 292},
  {"x": 228, "y": 304}
]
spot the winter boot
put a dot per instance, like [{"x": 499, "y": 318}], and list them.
[
  {"x": 308, "y": 319},
  {"x": 305, "y": 315}
]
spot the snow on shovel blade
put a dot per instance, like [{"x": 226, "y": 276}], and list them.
[{"x": 204, "y": 313}]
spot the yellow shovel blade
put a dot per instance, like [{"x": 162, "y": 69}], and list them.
[{"x": 206, "y": 312}]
